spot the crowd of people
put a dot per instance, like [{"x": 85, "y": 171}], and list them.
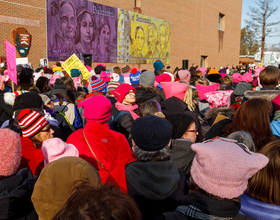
[{"x": 140, "y": 144}]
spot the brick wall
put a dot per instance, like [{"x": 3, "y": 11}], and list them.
[{"x": 194, "y": 28}]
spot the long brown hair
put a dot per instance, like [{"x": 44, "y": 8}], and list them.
[
  {"x": 253, "y": 116},
  {"x": 265, "y": 184},
  {"x": 154, "y": 89}
]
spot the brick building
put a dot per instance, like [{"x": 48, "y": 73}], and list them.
[{"x": 205, "y": 32}]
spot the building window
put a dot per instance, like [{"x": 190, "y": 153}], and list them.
[
  {"x": 203, "y": 61},
  {"x": 221, "y": 21}
]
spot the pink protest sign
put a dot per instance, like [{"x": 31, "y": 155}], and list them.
[{"x": 11, "y": 61}]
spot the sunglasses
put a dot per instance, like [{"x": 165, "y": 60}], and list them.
[
  {"x": 195, "y": 130},
  {"x": 46, "y": 130},
  {"x": 241, "y": 145}
]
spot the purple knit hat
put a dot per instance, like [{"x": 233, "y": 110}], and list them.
[
  {"x": 222, "y": 167},
  {"x": 96, "y": 108}
]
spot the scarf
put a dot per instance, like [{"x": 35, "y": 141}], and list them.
[
  {"x": 200, "y": 206},
  {"x": 129, "y": 108}
]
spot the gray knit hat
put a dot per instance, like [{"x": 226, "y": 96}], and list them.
[{"x": 147, "y": 79}]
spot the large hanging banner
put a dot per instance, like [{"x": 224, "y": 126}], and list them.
[{"x": 110, "y": 34}]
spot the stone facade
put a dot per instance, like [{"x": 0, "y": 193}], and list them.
[{"x": 194, "y": 28}]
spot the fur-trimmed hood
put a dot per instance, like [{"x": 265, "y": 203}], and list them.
[
  {"x": 212, "y": 113},
  {"x": 263, "y": 94}
]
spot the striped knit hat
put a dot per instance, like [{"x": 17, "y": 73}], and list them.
[
  {"x": 98, "y": 85},
  {"x": 112, "y": 86},
  {"x": 126, "y": 69},
  {"x": 31, "y": 122}
]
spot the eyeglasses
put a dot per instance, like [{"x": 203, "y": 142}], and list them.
[
  {"x": 131, "y": 93},
  {"x": 195, "y": 130},
  {"x": 241, "y": 145},
  {"x": 46, "y": 130}
]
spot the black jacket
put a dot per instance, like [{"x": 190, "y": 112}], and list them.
[
  {"x": 6, "y": 111},
  {"x": 143, "y": 95},
  {"x": 15, "y": 196},
  {"x": 156, "y": 187}
]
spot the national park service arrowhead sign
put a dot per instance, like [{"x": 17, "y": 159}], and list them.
[{"x": 22, "y": 41}]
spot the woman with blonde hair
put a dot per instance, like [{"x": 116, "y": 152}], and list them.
[{"x": 188, "y": 99}]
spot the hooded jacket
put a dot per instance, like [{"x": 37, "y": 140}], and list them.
[
  {"x": 15, "y": 196},
  {"x": 156, "y": 187}
]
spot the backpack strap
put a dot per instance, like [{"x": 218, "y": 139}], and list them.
[
  {"x": 174, "y": 216},
  {"x": 121, "y": 113}
]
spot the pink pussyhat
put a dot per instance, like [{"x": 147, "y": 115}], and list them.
[
  {"x": 202, "y": 89},
  {"x": 219, "y": 98},
  {"x": 53, "y": 78},
  {"x": 258, "y": 71},
  {"x": 202, "y": 69},
  {"x": 174, "y": 89},
  {"x": 236, "y": 77},
  {"x": 223, "y": 74},
  {"x": 55, "y": 148},
  {"x": 106, "y": 76},
  {"x": 96, "y": 108},
  {"x": 222, "y": 167},
  {"x": 247, "y": 77}
]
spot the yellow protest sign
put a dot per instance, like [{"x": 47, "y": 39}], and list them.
[{"x": 74, "y": 62}]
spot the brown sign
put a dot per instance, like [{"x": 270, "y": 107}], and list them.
[{"x": 22, "y": 41}]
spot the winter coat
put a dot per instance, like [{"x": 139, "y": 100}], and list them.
[
  {"x": 200, "y": 206},
  {"x": 31, "y": 156},
  {"x": 217, "y": 129},
  {"x": 110, "y": 147},
  {"x": 6, "y": 111},
  {"x": 27, "y": 87},
  {"x": 71, "y": 112},
  {"x": 156, "y": 187},
  {"x": 15, "y": 196},
  {"x": 257, "y": 209},
  {"x": 182, "y": 155},
  {"x": 145, "y": 94}
]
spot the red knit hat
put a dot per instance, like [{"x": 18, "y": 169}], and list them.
[
  {"x": 31, "y": 122},
  {"x": 10, "y": 154},
  {"x": 121, "y": 91}
]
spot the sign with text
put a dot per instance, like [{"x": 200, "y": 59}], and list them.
[{"x": 11, "y": 61}]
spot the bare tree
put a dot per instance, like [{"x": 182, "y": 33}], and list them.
[{"x": 258, "y": 22}]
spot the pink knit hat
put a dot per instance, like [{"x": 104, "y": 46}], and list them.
[
  {"x": 106, "y": 76},
  {"x": 174, "y": 89},
  {"x": 96, "y": 108},
  {"x": 121, "y": 91},
  {"x": 202, "y": 89},
  {"x": 219, "y": 98},
  {"x": 223, "y": 74},
  {"x": 222, "y": 168},
  {"x": 184, "y": 75},
  {"x": 202, "y": 69},
  {"x": 10, "y": 153},
  {"x": 163, "y": 78},
  {"x": 56, "y": 148},
  {"x": 53, "y": 78},
  {"x": 247, "y": 77},
  {"x": 236, "y": 77},
  {"x": 258, "y": 71}
]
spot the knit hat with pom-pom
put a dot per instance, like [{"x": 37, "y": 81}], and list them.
[{"x": 134, "y": 76}]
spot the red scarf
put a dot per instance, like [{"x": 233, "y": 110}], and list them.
[{"x": 129, "y": 108}]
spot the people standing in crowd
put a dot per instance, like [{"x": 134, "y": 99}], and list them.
[{"x": 153, "y": 180}]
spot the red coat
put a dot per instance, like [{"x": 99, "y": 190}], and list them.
[
  {"x": 110, "y": 147},
  {"x": 31, "y": 156}
]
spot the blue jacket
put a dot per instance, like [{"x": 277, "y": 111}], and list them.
[
  {"x": 275, "y": 127},
  {"x": 258, "y": 209}
]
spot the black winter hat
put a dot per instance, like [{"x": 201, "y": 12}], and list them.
[
  {"x": 99, "y": 68},
  {"x": 180, "y": 122},
  {"x": 151, "y": 133},
  {"x": 28, "y": 100},
  {"x": 59, "y": 87}
]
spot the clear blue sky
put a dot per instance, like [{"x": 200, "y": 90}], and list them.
[{"x": 273, "y": 18}]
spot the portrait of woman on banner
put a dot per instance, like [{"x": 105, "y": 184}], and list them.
[
  {"x": 124, "y": 35},
  {"x": 85, "y": 34},
  {"x": 103, "y": 53},
  {"x": 139, "y": 40},
  {"x": 164, "y": 38}
]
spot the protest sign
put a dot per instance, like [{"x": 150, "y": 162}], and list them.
[
  {"x": 74, "y": 62},
  {"x": 11, "y": 61}
]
